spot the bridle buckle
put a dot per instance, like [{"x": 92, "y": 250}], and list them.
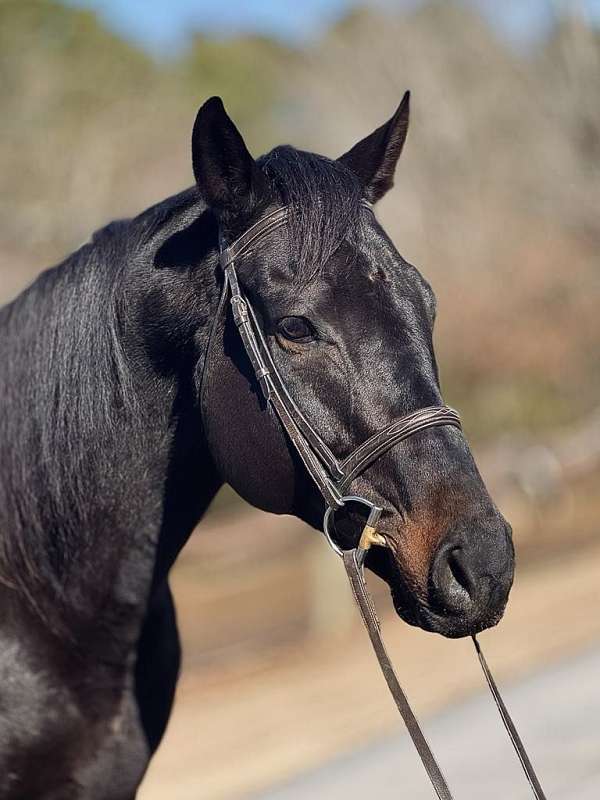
[{"x": 239, "y": 309}]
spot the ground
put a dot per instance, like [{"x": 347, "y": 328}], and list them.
[
  {"x": 557, "y": 711},
  {"x": 238, "y": 731}
]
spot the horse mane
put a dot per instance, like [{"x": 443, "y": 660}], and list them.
[
  {"x": 71, "y": 417},
  {"x": 324, "y": 196},
  {"x": 64, "y": 373}
]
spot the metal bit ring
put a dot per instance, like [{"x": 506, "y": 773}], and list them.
[{"x": 369, "y": 535}]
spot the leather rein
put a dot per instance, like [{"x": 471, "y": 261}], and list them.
[{"x": 334, "y": 478}]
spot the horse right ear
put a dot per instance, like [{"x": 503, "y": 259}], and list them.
[
  {"x": 228, "y": 178},
  {"x": 374, "y": 158}
]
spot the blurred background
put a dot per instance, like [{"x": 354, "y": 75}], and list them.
[{"x": 497, "y": 202}]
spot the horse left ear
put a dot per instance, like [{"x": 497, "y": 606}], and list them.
[
  {"x": 228, "y": 178},
  {"x": 374, "y": 158}
]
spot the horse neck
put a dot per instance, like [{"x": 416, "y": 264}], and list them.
[{"x": 104, "y": 467}]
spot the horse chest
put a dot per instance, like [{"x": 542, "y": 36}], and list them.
[{"x": 61, "y": 738}]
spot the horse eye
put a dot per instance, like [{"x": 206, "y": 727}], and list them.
[{"x": 296, "y": 329}]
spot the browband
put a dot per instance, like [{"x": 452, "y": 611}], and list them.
[
  {"x": 265, "y": 225},
  {"x": 262, "y": 227}
]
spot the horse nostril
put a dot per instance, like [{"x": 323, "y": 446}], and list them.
[
  {"x": 458, "y": 571},
  {"x": 452, "y": 587}
]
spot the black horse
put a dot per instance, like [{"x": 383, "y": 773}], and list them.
[{"x": 108, "y": 459}]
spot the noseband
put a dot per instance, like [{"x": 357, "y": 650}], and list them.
[{"x": 334, "y": 479}]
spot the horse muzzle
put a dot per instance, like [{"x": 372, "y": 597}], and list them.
[{"x": 470, "y": 578}]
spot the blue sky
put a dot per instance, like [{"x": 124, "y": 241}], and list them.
[{"x": 163, "y": 24}]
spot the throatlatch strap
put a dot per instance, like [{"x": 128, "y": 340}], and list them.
[{"x": 369, "y": 617}]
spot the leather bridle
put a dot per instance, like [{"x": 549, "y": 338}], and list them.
[{"x": 334, "y": 479}]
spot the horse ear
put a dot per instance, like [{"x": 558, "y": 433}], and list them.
[
  {"x": 228, "y": 177},
  {"x": 374, "y": 158}
]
